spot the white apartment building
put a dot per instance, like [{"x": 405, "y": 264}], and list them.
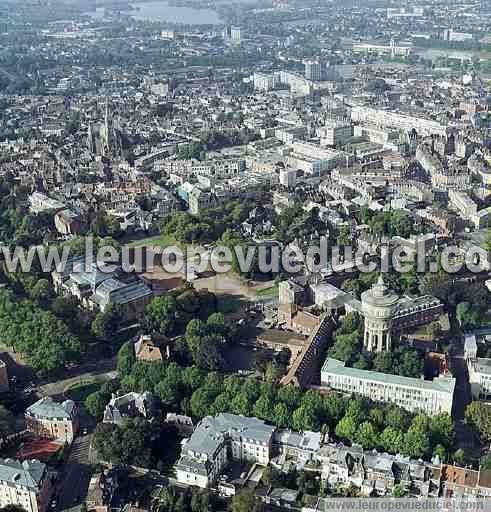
[
  {"x": 462, "y": 203},
  {"x": 480, "y": 377},
  {"x": 265, "y": 81},
  {"x": 479, "y": 369},
  {"x": 430, "y": 397},
  {"x": 386, "y": 118},
  {"x": 335, "y": 131},
  {"x": 218, "y": 168},
  {"x": 27, "y": 484},
  {"x": 314, "y": 160},
  {"x": 414, "y": 190},
  {"x": 216, "y": 441},
  {"x": 453, "y": 35},
  {"x": 392, "y": 48},
  {"x": 467, "y": 209}
]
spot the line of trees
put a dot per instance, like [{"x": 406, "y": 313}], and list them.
[{"x": 352, "y": 420}]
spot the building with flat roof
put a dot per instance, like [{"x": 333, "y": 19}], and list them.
[
  {"x": 313, "y": 70},
  {"x": 387, "y": 118},
  {"x": 430, "y": 397}
]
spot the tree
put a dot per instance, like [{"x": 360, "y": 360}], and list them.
[
  {"x": 347, "y": 427},
  {"x": 362, "y": 362},
  {"x": 366, "y": 435},
  {"x": 281, "y": 416},
  {"x": 245, "y": 501},
  {"x": 334, "y": 407},
  {"x": 95, "y": 404},
  {"x": 478, "y": 415},
  {"x": 272, "y": 373},
  {"x": 377, "y": 417},
  {"x": 160, "y": 315},
  {"x": 399, "y": 491},
  {"x": 42, "y": 292},
  {"x": 485, "y": 462},
  {"x": 203, "y": 345},
  {"x": 459, "y": 457},
  {"x": 442, "y": 430},
  {"x": 391, "y": 440},
  {"x": 440, "y": 452},
  {"x": 397, "y": 418},
  {"x": 416, "y": 444},
  {"x": 6, "y": 422},
  {"x": 263, "y": 408},
  {"x": 290, "y": 396},
  {"x": 345, "y": 346},
  {"x": 304, "y": 419},
  {"x": 383, "y": 362},
  {"x": 261, "y": 361},
  {"x": 12, "y": 508},
  {"x": 45, "y": 341},
  {"x": 216, "y": 325},
  {"x": 410, "y": 364},
  {"x": 241, "y": 404},
  {"x": 201, "y": 402},
  {"x": 127, "y": 444},
  {"x": 106, "y": 323},
  {"x": 467, "y": 315},
  {"x": 126, "y": 359}
]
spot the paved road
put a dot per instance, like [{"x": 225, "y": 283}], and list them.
[
  {"x": 104, "y": 369},
  {"x": 465, "y": 437},
  {"x": 57, "y": 388},
  {"x": 75, "y": 478}
]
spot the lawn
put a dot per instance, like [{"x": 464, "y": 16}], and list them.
[
  {"x": 272, "y": 291},
  {"x": 162, "y": 241},
  {"x": 79, "y": 391}
]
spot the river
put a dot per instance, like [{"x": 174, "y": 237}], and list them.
[{"x": 162, "y": 11}]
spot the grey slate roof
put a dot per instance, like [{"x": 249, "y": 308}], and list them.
[
  {"x": 91, "y": 277},
  {"x": 28, "y": 473},
  {"x": 211, "y": 432},
  {"x": 47, "y": 408}
]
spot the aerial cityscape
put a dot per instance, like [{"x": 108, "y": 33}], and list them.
[{"x": 245, "y": 255}]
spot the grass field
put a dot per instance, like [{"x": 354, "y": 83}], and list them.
[
  {"x": 162, "y": 241},
  {"x": 272, "y": 291},
  {"x": 79, "y": 391}
]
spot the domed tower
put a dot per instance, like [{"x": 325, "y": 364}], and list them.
[{"x": 378, "y": 305}]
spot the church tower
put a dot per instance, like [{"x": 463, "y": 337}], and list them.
[{"x": 106, "y": 132}]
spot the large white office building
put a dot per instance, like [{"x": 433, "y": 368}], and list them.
[
  {"x": 430, "y": 397},
  {"x": 386, "y": 118}
]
